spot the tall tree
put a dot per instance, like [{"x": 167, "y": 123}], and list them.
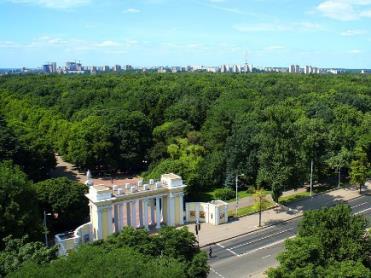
[
  {"x": 359, "y": 169},
  {"x": 66, "y": 200},
  {"x": 331, "y": 243},
  {"x": 338, "y": 161},
  {"x": 19, "y": 214}
]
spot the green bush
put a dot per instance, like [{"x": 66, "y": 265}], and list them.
[
  {"x": 224, "y": 193},
  {"x": 250, "y": 189}
]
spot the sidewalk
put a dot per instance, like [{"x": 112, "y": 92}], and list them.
[{"x": 211, "y": 234}]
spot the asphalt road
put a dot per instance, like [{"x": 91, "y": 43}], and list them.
[{"x": 250, "y": 255}]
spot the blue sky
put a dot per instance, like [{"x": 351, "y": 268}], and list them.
[{"x": 326, "y": 33}]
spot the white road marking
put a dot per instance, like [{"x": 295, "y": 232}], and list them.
[
  {"x": 358, "y": 212},
  {"x": 220, "y": 245},
  {"x": 273, "y": 243},
  {"x": 253, "y": 241},
  {"x": 266, "y": 246},
  {"x": 265, "y": 257},
  {"x": 283, "y": 240},
  {"x": 217, "y": 273},
  {"x": 228, "y": 249},
  {"x": 234, "y": 253},
  {"x": 359, "y": 205}
]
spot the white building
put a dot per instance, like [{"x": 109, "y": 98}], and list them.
[{"x": 137, "y": 205}]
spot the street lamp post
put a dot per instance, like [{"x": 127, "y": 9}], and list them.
[
  {"x": 46, "y": 228},
  {"x": 311, "y": 177},
  {"x": 241, "y": 175}
]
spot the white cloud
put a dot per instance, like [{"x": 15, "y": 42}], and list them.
[
  {"x": 131, "y": 11},
  {"x": 277, "y": 27},
  {"x": 366, "y": 13},
  {"x": 9, "y": 44},
  {"x": 344, "y": 10},
  {"x": 355, "y": 51},
  {"x": 108, "y": 43},
  {"x": 72, "y": 44},
  {"x": 53, "y": 4},
  {"x": 350, "y": 33},
  {"x": 274, "y": 48},
  {"x": 259, "y": 27}
]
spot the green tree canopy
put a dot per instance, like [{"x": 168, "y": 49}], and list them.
[
  {"x": 94, "y": 261},
  {"x": 65, "y": 199},
  {"x": 19, "y": 214},
  {"x": 331, "y": 243},
  {"x": 19, "y": 252}
]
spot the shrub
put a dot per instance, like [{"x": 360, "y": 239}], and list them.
[{"x": 224, "y": 193}]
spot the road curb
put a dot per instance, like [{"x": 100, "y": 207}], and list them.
[{"x": 268, "y": 226}]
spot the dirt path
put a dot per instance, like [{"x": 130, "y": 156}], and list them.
[
  {"x": 65, "y": 169},
  {"x": 68, "y": 170}
]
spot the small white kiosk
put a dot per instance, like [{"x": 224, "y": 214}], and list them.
[{"x": 215, "y": 212}]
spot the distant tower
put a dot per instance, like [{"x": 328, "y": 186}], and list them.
[{"x": 248, "y": 68}]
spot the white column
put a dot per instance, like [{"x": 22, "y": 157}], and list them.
[
  {"x": 152, "y": 212},
  {"x": 140, "y": 202},
  {"x": 109, "y": 220},
  {"x": 120, "y": 220},
  {"x": 181, "y": 209},
  {"x": 145, "y": 207},
  {"x": 116, "y": 216},
  {"x": 99, "y": 226},
  {"x": 128, "y": 214},
  {"x": 158, "y": 213},
  {"x": 171, "y": 210},
  {"x": 133, "y": 214}
]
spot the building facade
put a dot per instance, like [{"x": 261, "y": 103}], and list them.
[{"x": 138, "y": 205}]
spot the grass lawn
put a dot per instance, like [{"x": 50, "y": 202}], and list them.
[
  {"x": 294, "y": 197},
  {"x": 252, "y": 209},
  {"x": 209, "y": 195}
]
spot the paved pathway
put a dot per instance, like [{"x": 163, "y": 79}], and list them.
[
  {"x": 210, "y": 234},
  {"x": 65, "y": 169}
]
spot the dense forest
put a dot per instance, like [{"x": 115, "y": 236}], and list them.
[{"x": 205, "y": 127}]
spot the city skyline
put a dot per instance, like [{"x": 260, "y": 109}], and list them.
[{"x": 327, "y": 33}]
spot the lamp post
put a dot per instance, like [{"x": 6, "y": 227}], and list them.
[
  {"x": 241, "y": 175},
  {"x": 311, "y": 177},
  {"x": 46, "y": 228}
]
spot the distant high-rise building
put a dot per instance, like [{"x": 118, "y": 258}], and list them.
[
  {"x": 50, "y": 68},
  {"x": 311, "y": 70},
  {"x": 106, "y": 68},
  {"x": 294, "y": 69},
  {"x": 116, "y": 68},
  {"x": 46, "y": 68},
  {"x": 71, "y": 66},
  {"x": 54, "y": 67},
  {"x": 224, "y": 68},
  {"x": 128, "y": 67}
]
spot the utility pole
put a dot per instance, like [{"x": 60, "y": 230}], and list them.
[
  {"x": 311, "y": 177},
  {"x": 260, "y": 211},
  {"x": 46, "y": 228},
  {"x": 237, "y": 193},
  {"x": 339, "y": 176}
]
